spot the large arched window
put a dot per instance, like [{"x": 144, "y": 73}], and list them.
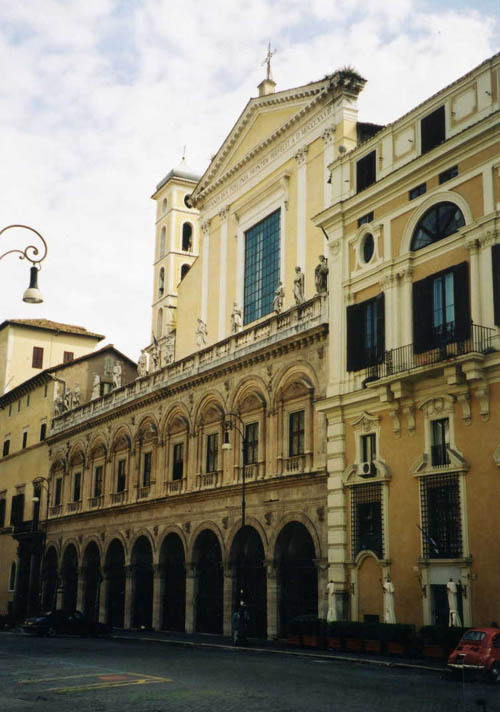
[
  {"x": 440, "y": 221},
  {"x": 184, "y": 271},
  {"x": 187, "y": 237}
]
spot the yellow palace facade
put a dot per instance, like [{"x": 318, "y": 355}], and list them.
[{"x": 292, "y": 427}]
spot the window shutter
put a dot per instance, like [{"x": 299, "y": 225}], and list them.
[
  {"x": 354, "y": 340},
  {"x": 495, "y": 256},
  {"x": 422, "y": 316},
  {"x": 380, "y": 302},
  {"x": 462, "y": 302}
]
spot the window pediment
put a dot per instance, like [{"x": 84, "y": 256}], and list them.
[{"x": 423, "y": 466}]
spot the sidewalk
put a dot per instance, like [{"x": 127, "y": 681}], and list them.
[{"x": 254, "y": 645}]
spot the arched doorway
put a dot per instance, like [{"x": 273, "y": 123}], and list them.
[
  {"x": 208, "y": 562},
  {"x": 49, "y": 578},
  {"x": 69, "y": 573},
  {"x": 115, "y": 588},
  {"x": 142, "y": 567},
  {"x": 297, "y": 575},
  {"x": 247, "y": 561},
  {"x": 172, "y": 562},
  {"x": 93, "y": 578}
]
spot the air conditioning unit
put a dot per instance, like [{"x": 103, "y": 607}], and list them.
[{"x": 367, "y": 469}]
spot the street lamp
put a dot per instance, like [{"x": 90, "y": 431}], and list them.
[
  {"x": 32, "y": 294},
  {"x": 229, "y": 422},
  {"x": 38, "y": 483}
]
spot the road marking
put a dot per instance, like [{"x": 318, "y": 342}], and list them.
[{"x": 106, "y": 680}]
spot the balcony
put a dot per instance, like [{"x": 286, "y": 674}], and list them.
[
  {"x": 144, "y": 491},
  {"x": 404, "y": 358},
  {"x": 294, "y": 464},
  {"x": 175, "y": 486},
  {"x": 96, "y": 502},
  {"x": 249, "y": 472},
  {"x": 209, "y": 480},
  {"x": 275, "y": 328},
  {"x": 118, "y": 497},
  {"x": 72, "y": 507},
  {"x": 55, "y": 510}
]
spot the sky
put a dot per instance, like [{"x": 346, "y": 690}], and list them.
[{"x": 99, "y": 97}]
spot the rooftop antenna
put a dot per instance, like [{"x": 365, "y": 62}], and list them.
[{"x": 267, "y": 61}]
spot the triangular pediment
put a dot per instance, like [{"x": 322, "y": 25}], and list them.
[{"x": 262, "y": 120}]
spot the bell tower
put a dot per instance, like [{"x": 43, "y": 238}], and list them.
[{"x": 176, "y": 246}]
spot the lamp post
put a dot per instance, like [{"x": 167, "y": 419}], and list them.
[
  {"x": 229, "y": 422},
  {"x": 32, "y": 294},
  {"x": 39, "y": 540}
]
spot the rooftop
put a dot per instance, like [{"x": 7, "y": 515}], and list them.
[{"x": 48, "y": 325}]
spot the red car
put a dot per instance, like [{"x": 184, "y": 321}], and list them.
[{"x": 478, "y": 650}]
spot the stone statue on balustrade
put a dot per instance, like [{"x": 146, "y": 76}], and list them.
[
  {"x": 321, "y": 275},
  {"x": 298, "y": 286},
  {"x": 168, "y": 350},
  {"x": 77, "y": 396},
  {"x": 96, "y": 386},
  {"x": 68, "y": 400},
  {"x": 201, "y": 334},
  {"x": 117, "y": 375},
  {"x": 279, "y": 297},
  {"x": 235, "y": 319},
  {"x": 142, "y": 364}
]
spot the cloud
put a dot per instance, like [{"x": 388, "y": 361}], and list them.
[{"x": 100, "y": 97}]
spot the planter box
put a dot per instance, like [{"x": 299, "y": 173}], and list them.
[
  {"x": 372, "y": 646},
  {"x": 309, "y": 641},
  {"x": 293, "y": 639},
  {"x": 334, "y": 643},
  {"x": 395, "y": 648},
  {"x": 353, "y": 644},
  {"x": 433, "y": 651}
]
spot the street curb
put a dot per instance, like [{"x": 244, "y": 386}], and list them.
[{"x": 290, "y": 653}]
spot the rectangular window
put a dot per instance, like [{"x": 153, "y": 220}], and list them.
[
  {"x": 365, "y": 333},
  {"x": 68, "y": 356},
  {"x": 58, "y": 491},
  {"x": 3, "y": 507},
  {"x": 25, "y": 439},
  {"x": 10, "y": 409},
  {"x": 77, "y": 486},
  {"x": 366, "y": 519},
  {"x": 448, "y": 174},
  {"x": 251, "y": 444},
  {"x": 366, "y": 171},
  {"x": 440, "y": 439},
  {"x": 45, "y": 390},
  {"x": 37, "y": 360},
  {"x": 368, "y": 454},
  {"x": 441, "y": 521},
  {"x": 441, "y": 311},
  {"x": 262, "y": 267},
  {"x": 368, "y": 218},
  {"x": 212, "y": 452},
  {"x": 146, "y": 469},
  {"x": 17, "y": 510},
  {"x": 98, "y": 474},
  {"x": 418, "y": 190},
  {"x": 432, "y": 128},
  {"x": 27, "y": 401},
  {"x": 121, "y": 476},
  {"x": 43, "y": 431},
  {"x": 6, "y": 448},
  {"x": 296, "y": 433},
  {"x": 178, "y": 461},
  {"x": 495, "y": 258}
]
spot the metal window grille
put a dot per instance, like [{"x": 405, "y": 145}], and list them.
[
  {"x": 366, "y": 519},
  {"x": 296, "y": 434},
  {"x": 441, "y": 520},
  {"x": 251, "y": 444},
  {"x": 262, "y": 264},
  {"x": 212, "y": 447}
]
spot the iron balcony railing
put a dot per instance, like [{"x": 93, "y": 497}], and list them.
[{"x": 404, "y": 358}]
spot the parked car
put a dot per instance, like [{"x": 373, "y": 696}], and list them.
[
  {"x": 69, "y": 622},
  {"x": 479, "y": 651},
  {"x": 7, "y": 620}
]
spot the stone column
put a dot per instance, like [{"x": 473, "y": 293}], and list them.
[
  {"x": 227, "y": 599},
  {"x": 60, "y": 590},
  {"x": 191, "y": 586},
  {"x": 103, "y": 595},
  {"x": 223, "y": 240},
  {"x": 158, "y": 584},
  {"x": 80, "y": 589},
  {"x": 322, "y": 571},
  {"x": 272, "y": 600},
  {"x": 301, "y": 158},
  {"x": 129, "y": 596},
  {"x": 475, "y": 282}
]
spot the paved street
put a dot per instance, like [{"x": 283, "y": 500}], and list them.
[{"x": 62, "y": 674}]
